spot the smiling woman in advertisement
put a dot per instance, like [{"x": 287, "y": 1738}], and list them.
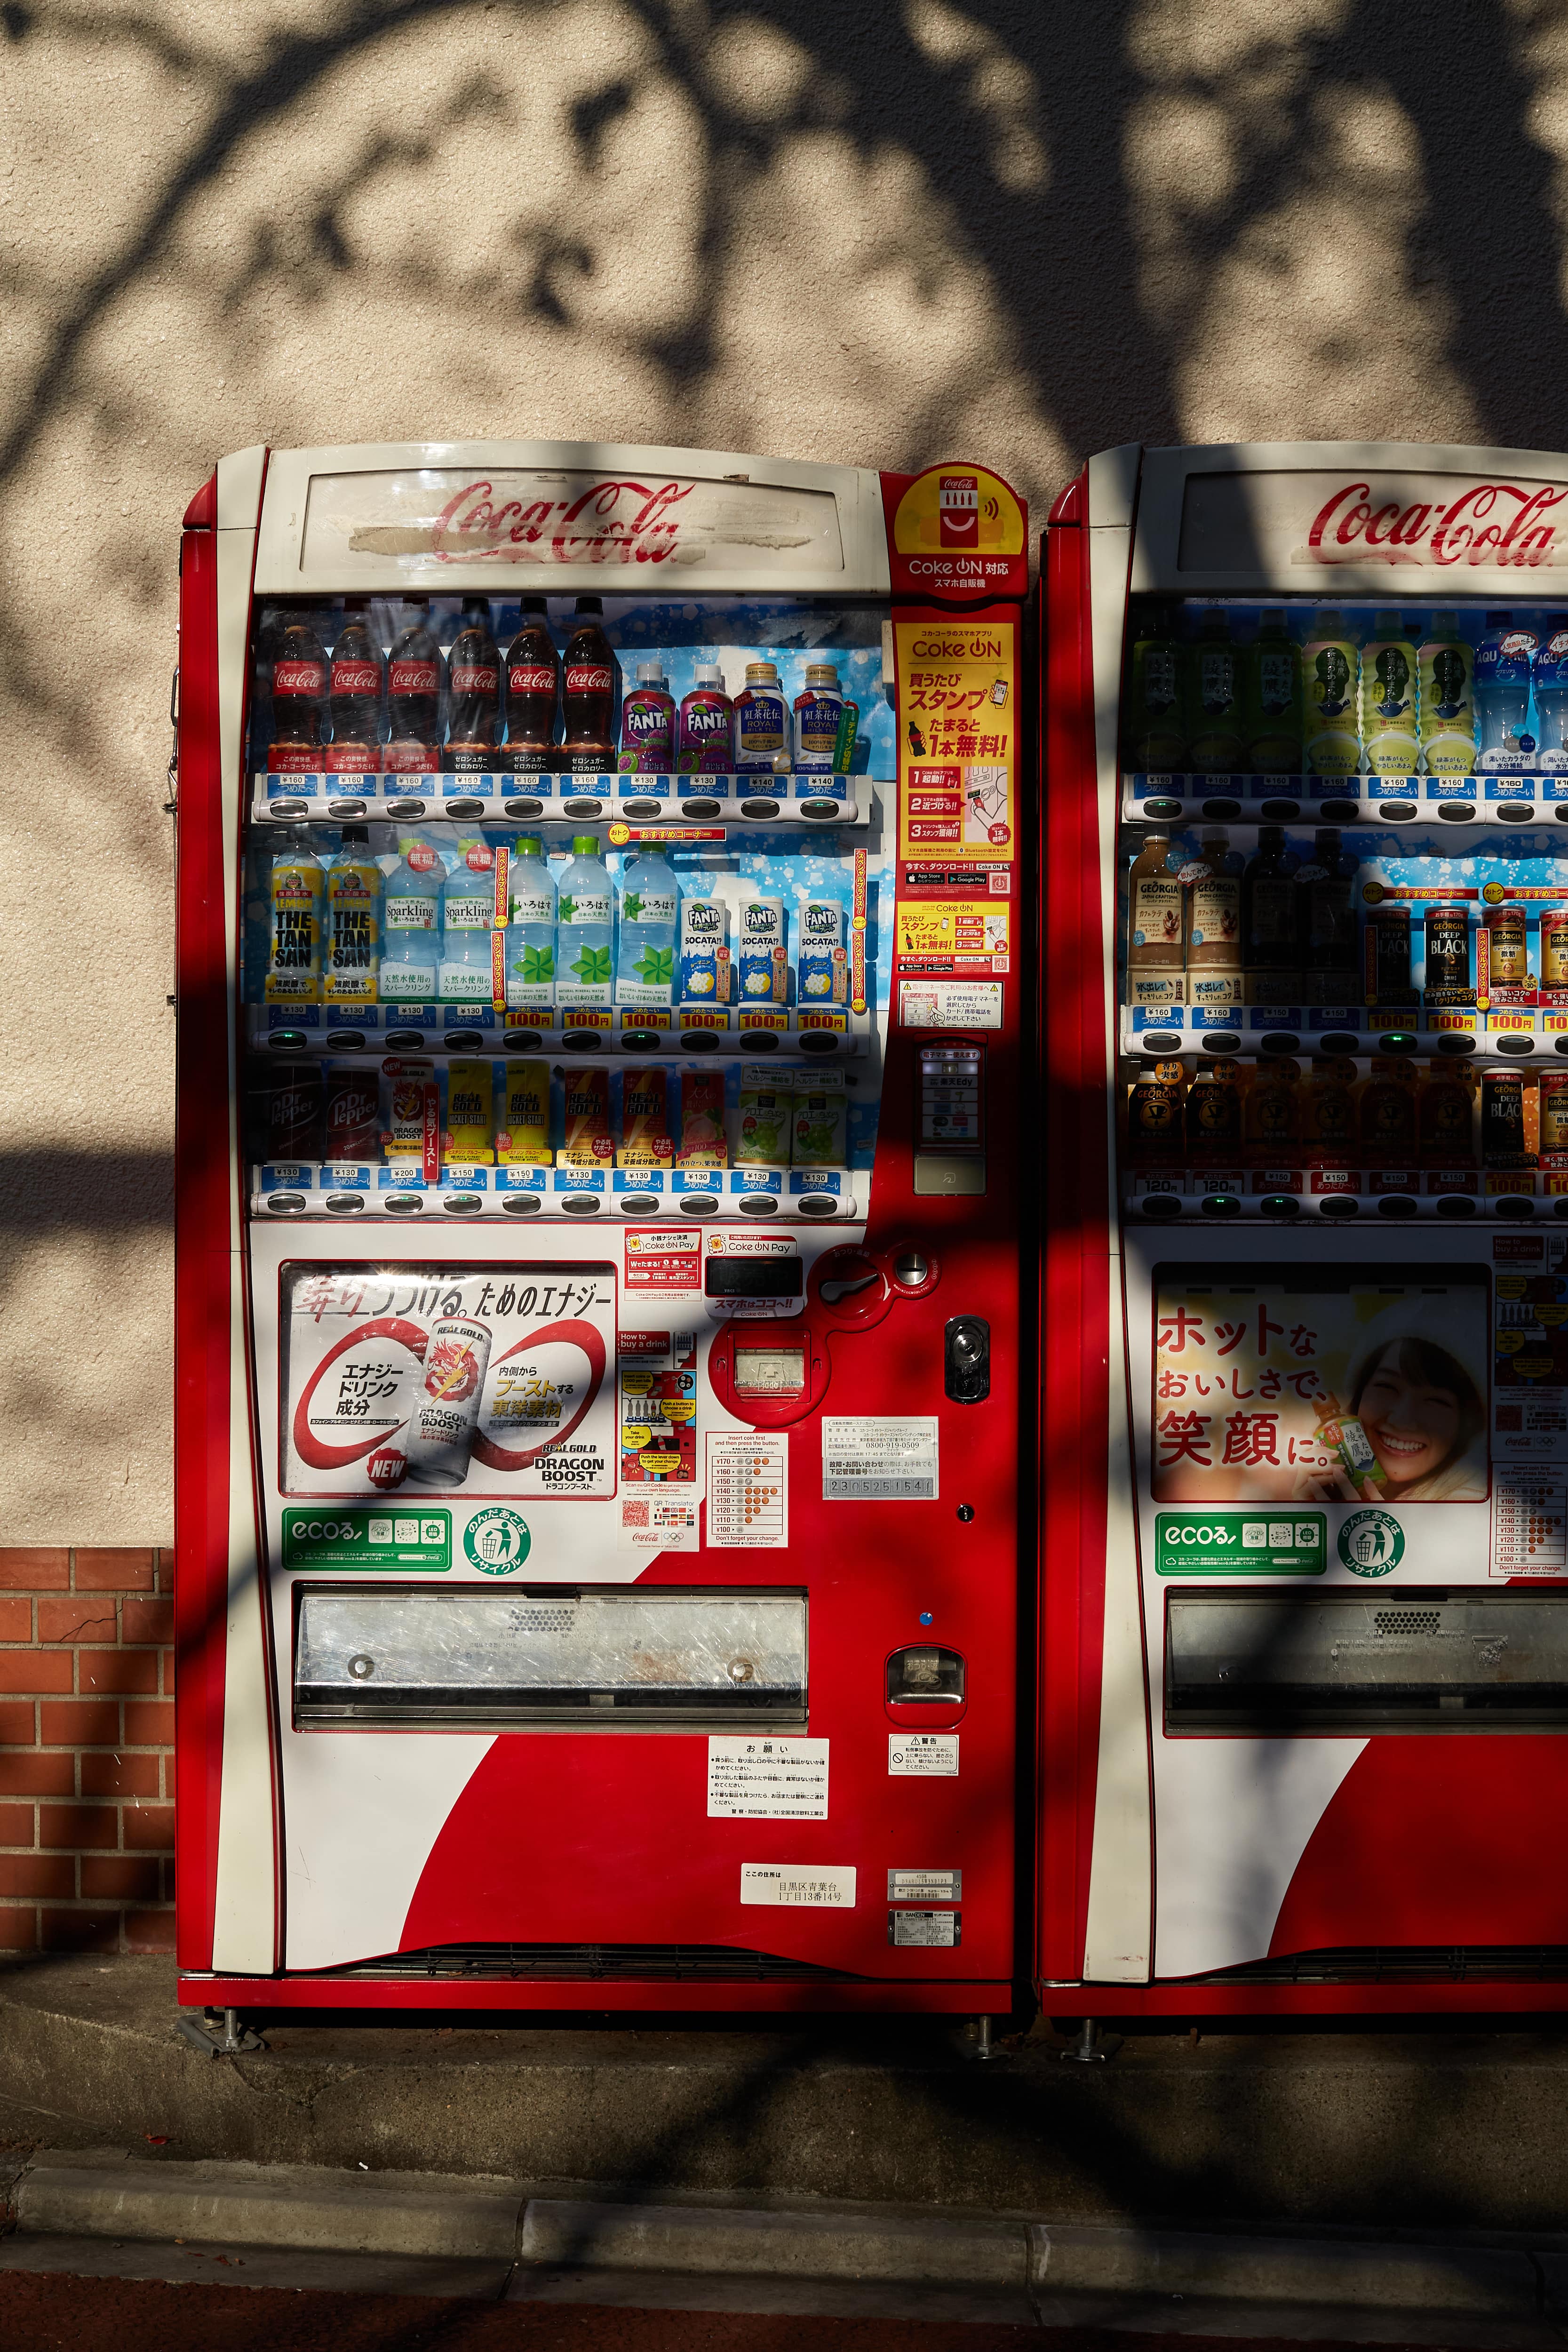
[{"x": 1406, "y": 1437}]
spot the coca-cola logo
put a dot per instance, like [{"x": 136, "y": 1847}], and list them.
[
  {"x": 589, "y": 677},
  {"x": 469, "y": 680},
  {"x": 628, "y": 521},
  {"x": 356, "y": 677},
  {"x": 1500, "y": 523},
  {"x": 537, "y": 678},
  {"x": 298, "y": 678},
  {"x": 416, "y": 677}
]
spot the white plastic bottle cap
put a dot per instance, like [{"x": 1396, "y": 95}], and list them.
[
  {"x": 651, "y": 673},
  {"x": 709, "y": 674}
]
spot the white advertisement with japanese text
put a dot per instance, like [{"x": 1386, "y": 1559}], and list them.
[{"x": 471, "y": 1381}]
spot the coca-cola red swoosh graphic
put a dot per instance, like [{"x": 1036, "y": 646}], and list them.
[
  {"x": 585, "y": 528},
  {"x": 572, "y": 1334},
  {"x": 411, "y": 1336},
  {"x": 1486, "y": 523}
]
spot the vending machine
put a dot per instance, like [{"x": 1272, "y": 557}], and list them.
[
  {"x": 1304, "y": 1404},
  {"x": 598, "y": 1262}
]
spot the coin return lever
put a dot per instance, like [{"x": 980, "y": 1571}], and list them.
[{"x": 950, "y": 1148}]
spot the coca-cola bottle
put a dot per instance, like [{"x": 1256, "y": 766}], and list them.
[
  {"x": 588, "y": 693},
  {"x": 298, "y": 690},
  {"x": 354, "y": 691},
  {"x": 413, "y": 694},
  {"x": 533, "y": 682},
  {"x": 472, "y": 690}
]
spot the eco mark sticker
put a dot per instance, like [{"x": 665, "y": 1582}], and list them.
[
  {"x": 1371, "y": 1543},
  {"x": 497, "y": 1542},
  {"x": 1239, "y": 1543}
]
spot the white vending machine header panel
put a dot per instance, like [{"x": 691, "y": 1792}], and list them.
[
  {"x": 559, "y": 516},
  {"x": 1328, "y": 519}
]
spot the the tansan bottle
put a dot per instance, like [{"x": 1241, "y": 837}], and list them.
[
  {"x": 1388, "y": 675},
  {"x": 1214, "y": 1116},
  {"x": 1387, "y": 1113},
  {"x": 1325, "y": 904},
  {"x": 1268, "y": 909},
  {"x": 1156, "y": 908},
  {"x": 1447, "y": 714},
  {"x": 1331, "y": 663},
  {"x": 1328, "y": 1134},
  {"x": 1153, "y": 736},
  {"x": 295, "y": 890},
  {"x": 1271, "y": 1115},
  {"x": 1446, "y": 1117},
  {"x": 1155, "y": 1135},
  {"x": 351, "y": 961},
  {"x": 1272, "y": 698},
  {"x": 1215, "y": 744}
]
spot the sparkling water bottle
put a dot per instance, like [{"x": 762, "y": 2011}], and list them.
[
  {"x": 467, "y": 919},
  {"x": 411, "y": 914}
]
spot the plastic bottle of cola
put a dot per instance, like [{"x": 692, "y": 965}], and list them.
[
  {"x": 588, "y": 692},
  {"x": 472, "y": 690},
  {"x": 533, "y": 687},
  {"x": 298, "y": 693},
  {"x": 356, "y": 684},
  {"x": 413, "y": 693}
]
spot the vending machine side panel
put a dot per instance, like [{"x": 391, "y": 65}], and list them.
[{"x": 226, "y": 1843}]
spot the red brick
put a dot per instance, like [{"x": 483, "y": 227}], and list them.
[
  {"x": 16, "y": 1619},
  {"x": 81, "y": 1722},
  {"x": 114, "y": 1571},
  {"x": 80, "y": 1931},
  {"x": 36, "y": 1570},
  {"x": 149, "y": 1723},
  {"x": 166, "y": 1872},
  {"x": 50, "y": 1874},
  {"x": 16, "y": 1723},
  {"x": 74, "y": 1825},
  {"x": 166, "y": 1571},
  {"x": 35, "y": 1670},
  {"x": 15, "y": 1824},
  {"x": 79, "y": 1617},
  {"x": 117, "y": 1670},
  {"x": 18, "y": 1929},
  {"x": 120, "y": 1776},
  {"x": 32, "y": 1772},
  {"x": 149, "y": 1829},
  {"x": 145, "y": 1621},
  {"x": 113, "y": 1878},
  {"x": 149, "y": 1931}
]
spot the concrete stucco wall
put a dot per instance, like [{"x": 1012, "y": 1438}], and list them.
[{"x": 877, "y": 231}]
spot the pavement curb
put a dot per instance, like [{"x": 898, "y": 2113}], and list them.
[{"x": 312, "y": 2208}]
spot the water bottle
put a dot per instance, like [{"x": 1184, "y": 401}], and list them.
[
  {"x": 1501, "y": 690},
  {"x": 585, "y": 928},
  {"x": 410, "y": 917},
  {"x": 650, "y": 910},
  {"x": 530, "y": 928},
  {"x": 467, "y": 920},
  {"x": 1551, "y": 680}
]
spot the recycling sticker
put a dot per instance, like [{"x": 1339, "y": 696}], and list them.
[
  {"x": 1371, "y": 1543},
  {"x": 496, "y": 1540}
]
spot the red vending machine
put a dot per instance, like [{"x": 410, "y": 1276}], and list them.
[
  {"x": 1305, "y": 1427},
  {"x": 598, "y": 1258}
]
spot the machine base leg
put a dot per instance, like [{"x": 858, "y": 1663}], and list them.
[
  {"x": 1092, "y": 2048},
  {"x": 222, "y": 2035}
]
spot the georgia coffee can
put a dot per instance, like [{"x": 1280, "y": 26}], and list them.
[
  {"x": 352, "y": 1114},
  {"x": 1448, "y": 928}
]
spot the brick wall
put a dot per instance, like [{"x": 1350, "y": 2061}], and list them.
[{"x": 87, "y": 1764}]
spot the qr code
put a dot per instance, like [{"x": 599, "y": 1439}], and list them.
[{"x": 633, "y": 1515}]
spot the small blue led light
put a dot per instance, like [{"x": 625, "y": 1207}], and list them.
[{"x": 926, "y": 1616}]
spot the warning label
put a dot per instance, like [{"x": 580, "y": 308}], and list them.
[{"x": 767, "y": 1779}]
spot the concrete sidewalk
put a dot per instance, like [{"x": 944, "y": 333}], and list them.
[
  {"x": 108, "y": 2212},
  {"x": 1334, "y": 2131}
]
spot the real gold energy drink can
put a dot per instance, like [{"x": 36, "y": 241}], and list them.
[
  {"x": 469, "y": 1120},
  {"x": 522, "y": 1140},
  {"x": 441, "y": 1428}
]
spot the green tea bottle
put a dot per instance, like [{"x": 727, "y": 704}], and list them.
[
  {"x": 1329, "y": 667},
  {"x": 1214, "y": 700},
  {"x": 1153, "y": 735},
  {"x": 1272, "y": 698},
  {"x": 1389, "y": 672},
  {"x": 1448, "y": 713}
]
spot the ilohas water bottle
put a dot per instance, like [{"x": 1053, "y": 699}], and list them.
[
  {"x": 467, "y": 920},
  {"x": 585, "y": 928},
  {"x": 650, "y": 910},
  {"x": 530, "y": 928},
  {"x": 1551, "y": 682},
  {"x": 410, "y": 916},
  {"x": 1501, "y": 690}
]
